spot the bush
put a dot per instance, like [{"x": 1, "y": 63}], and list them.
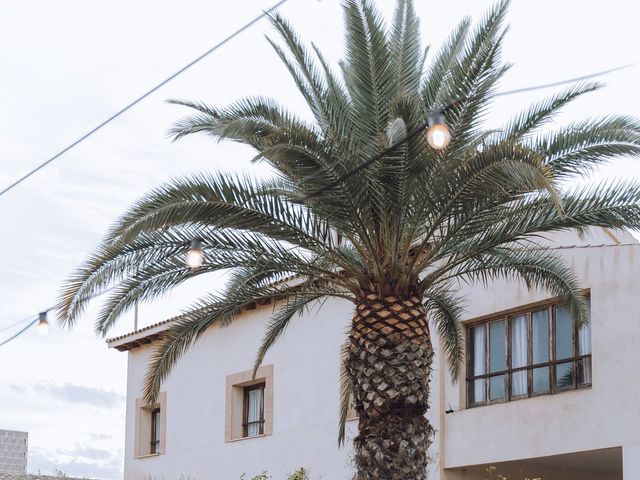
[{"x": 300, "y": 474}]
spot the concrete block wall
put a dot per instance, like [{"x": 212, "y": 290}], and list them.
[{"x": 13, "y": 452}]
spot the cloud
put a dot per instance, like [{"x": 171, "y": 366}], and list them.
[
  {"x": 81, "y": 394},
  {"x": 81, "y": 462},
  {"x": 17, "y": 388},
  {"x": 88, "y": 453}
]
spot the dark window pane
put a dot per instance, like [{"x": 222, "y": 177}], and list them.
[
  {"x": 477, "y": 350},
  {"x": 155, "y": 431},
  {"x": 564, "y": 375},
  {"x": 564, "y": 334},
  {"x": 540, "y": 336},
  {"x": 541, "y": 380},
  {"x": 496, "y": 387},
  {"x": 477, "y": 391},
  {"x": 584, "y": 371},
  {"x": 496, "y": 347}
]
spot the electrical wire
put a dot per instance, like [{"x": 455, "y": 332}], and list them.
[
  {"x": 19, "y": 322},
  {"x": 33, "y": 322},
  {"x": 424, "y": 125},
  {"x": 38, "y": 318},
  {"x": 142, "y": 97}
]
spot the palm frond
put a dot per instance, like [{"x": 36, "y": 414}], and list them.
[
  {"x": 544, "y": 111},
  {"x": 346, "y": 394},
  {"x": 218, "y": 310},
  {"x": 445, "y": 310},
  {"x": 537, "y": 268},
  {"x": 280, "y": 321}
]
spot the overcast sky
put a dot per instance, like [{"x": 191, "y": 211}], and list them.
[{"x": 67, "y": 65}]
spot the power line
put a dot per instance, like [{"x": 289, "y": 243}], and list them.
[
  {"x": 424, "y": 125},
  {"x": 142, "y": 97}
]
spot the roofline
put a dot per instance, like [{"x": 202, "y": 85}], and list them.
[
  {"x": 151, "y": 333},
  {"x": 140, "y": 337}
]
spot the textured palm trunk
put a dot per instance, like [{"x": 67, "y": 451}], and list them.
[{"x": 389, "y": 364}]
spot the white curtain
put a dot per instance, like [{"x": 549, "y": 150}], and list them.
[
  {"x": 478, "y": 362},
  {"x": 584, "y": 348},
  {"x": 519, "y": 354},
  {"x": 254, "y": 412}
]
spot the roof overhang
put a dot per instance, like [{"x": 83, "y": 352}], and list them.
[{"x": 139, "y": 338}]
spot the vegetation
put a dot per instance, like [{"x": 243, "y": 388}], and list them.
[
  {"x": 395, "y": 238},
  {"x": 300, "y": 474},
  {"x": 494, "y": 474}
]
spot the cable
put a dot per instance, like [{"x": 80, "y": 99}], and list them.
[
  {"x": 38, "y": 318},
  {"x": 9, "y": 327},
  {"x": 421, "y": 127},
  {"x": 19, "y": 333},
  {"x": 142, "y": 97},
  {"x": 564, "y": 82}
]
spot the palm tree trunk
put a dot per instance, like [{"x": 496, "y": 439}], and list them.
[{"x": 389, "y": 365}]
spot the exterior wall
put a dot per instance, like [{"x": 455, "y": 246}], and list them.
[
  {"x": 306, "y": 365},
  {"x": 603, "y": 416},
  {"x": 305, "y": 402},
  {"x": 13, "y": 452}
]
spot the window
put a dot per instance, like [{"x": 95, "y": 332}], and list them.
[
  {"x": 531, "y": 352},
  {"x": 155, "y": 431},
  {"x": 253, "y": 416},
  {"x": 249, "y": 404},
  {"x": 150, "y": 427}
]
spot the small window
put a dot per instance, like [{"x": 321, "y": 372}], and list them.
[
  {"x": 253, "y": 417},
  {"x": 155, "y": 431},
  {"x": 150, "y": 430},
  {"x": 533, "y": 352},
  {"x": 249, "y": 404}
]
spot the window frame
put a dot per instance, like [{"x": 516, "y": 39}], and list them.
[
  {"x": 235, "y": 402},
  {"x": 144, "y": 419},
  {"x": 506, "y": 316},
  {"x": 245, "y": 411}
]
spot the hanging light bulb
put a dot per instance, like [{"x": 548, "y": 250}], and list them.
[
  {"x": 438, "y": 134},
  {"x": 195, "y": 255},
  {"x": 43, "y": 324}
]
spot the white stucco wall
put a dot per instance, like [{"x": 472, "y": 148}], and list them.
[
  {"x": 607, "y": 415},
  {"x": 306, "y": 376},
  {"x": 306, "y": 382}
]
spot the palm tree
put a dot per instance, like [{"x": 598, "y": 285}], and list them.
[{"x": 394, "y": 238}]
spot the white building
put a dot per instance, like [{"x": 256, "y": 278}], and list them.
[
  {"x": 575, "y": 416},
  {"x": 13, "y": 452}
]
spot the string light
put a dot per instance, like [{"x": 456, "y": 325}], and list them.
[
  {"x": 420, "y": 128},
  {"x": 43, "y": 324},
  {"x": 41, "y": 320},
  {"x": 195, "y": 255},
  {"x": 438, "y": 134}
]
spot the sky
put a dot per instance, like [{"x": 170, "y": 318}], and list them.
[{"x": 66, "y": 66}]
